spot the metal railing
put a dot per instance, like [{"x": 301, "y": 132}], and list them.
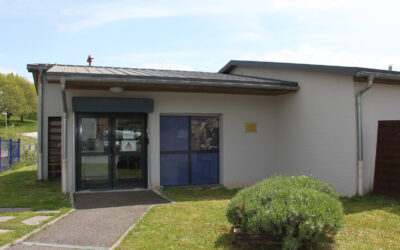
[{"x": 10, "y": 152}]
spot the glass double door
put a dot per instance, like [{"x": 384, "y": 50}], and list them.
[{"x": 111, "y": 151}]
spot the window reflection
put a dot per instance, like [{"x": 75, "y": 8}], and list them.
[
  {"x": 205, "y": 133},
  {"x": 94, "y": 134},
  {"x": 128, "y": 170},
  {"x": 128, "y": 135}
]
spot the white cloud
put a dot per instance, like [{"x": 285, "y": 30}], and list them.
[
  {"x": 317, "y": 55},
  {"x": 91, "y": 15},
  {"x": 7, "y": 71}
]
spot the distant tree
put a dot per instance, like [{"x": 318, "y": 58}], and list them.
[{"x": 17, "y": 96}]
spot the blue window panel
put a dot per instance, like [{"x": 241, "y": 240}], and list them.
[
  {"x": 174, "y": 169},
  {"x": 205, "y": 168},
  {"x": 174, "y": 133}
]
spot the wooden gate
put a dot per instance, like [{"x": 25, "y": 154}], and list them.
[{"x": 387, "y": 165}]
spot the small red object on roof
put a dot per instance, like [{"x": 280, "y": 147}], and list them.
[{"x": 90, "y": 60}]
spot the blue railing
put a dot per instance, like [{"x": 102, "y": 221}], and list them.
[{"x": 10, "y": 152}]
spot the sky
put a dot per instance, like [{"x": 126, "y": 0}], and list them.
[{"x": 198, "y": 35}]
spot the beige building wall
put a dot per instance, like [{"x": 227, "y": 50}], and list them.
[
  {"x": 52, "y": 106},
  {"x": 381, "y": 102},
  {"x": 311, "y": 132},
  {"x": 244, "y": 158},
  {"x": 316, "y": 127}
]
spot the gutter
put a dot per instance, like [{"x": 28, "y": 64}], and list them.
[
  {"x": 64, "y": 161},
  {"x": 40, "y": 126},
  {"x": 174, "y": 82},
  {"x": 360, "y": 149}
]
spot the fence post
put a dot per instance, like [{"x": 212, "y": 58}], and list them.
[
  {"x": 0, "y": 155},
  {"x": 19, "y": 149},
  {"x": 10, "y": 152}
]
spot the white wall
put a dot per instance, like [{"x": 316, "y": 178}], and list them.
[
  {"x": 245, "y": 158},
  {"x": 311, "y": 132},
  {"x": 381, "y": 102},
  {"x": 52, "y": 106},
  {"x": 316, "y": 127}
]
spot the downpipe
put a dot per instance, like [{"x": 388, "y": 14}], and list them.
[
  {"x": 40, "y": 126},
  {"x": 64, "y": 162},
  {"x": 360, "y": 149}
]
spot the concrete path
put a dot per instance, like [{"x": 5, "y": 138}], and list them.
[
  {"x": 93, "y": 228},
  {"x": 31, "y": 134}
]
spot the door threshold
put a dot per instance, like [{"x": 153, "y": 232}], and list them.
[{"x": 112, "y": 190}]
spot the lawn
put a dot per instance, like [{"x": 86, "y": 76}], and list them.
[
  {"x": 29, "y": 125},
  {"x": 19, "y": 188},
  {"x": 197, "y": 220},
  {"x": 15, "y": 129}
]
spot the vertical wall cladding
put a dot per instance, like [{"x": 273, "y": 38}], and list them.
[
  {"x": 245, "y": 158},
  {"x": 380, "y": 103},
  {"x": 316, "y": 133}
]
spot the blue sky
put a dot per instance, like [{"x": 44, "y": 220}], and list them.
[{"x": 198, "y": 35}]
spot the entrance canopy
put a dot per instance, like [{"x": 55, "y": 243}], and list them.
[
  {"x": 103, "y": 78},
  {"x": 118, "y": 105}
]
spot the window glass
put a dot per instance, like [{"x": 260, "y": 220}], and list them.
[
  {"x": 205, "y": 133},
  {"x": 189, "y": 150},
  {"x": 94, "y": 171},
  {"x": 174, "y": 133},
  {"x": 94, "y": 134},
  {"x": 205, "y": 168},
  {"x": 174, "y": 169},
  {"x": 128, "y": 135}
]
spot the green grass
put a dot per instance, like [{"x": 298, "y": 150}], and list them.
[
  {"x": 21, "y": 229},
  {"x": 19, "y": 188},
  {"x": 197, "y": 220},
  {"x": 15, "y": 128}
]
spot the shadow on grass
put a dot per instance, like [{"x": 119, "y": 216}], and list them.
[
  {"x": 19, "y": 188},
  {"x": 226, "y": 241},
  {"x": 370, "y": 202},
  {"x": 183, "y": 194}
]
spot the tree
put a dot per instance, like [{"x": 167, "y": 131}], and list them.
[{"x": 17, "y": 96}]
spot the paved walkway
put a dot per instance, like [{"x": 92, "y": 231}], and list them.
[
  {"x": 31, "y": 134},
  {"x": 93, "y": 228}
]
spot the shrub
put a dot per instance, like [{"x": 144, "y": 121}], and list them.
[{"x": 297, "y": 210}]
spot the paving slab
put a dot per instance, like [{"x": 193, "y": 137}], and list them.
[
  {"x": 6, "y": 218},
  {"x": 36, "y": 220},
  {"x": 31, "y": 134},
  {"x": 44, "y": 211},
  {"x": 3, "y": 231},
  {"x": 4, "y": 210},
  {"x": 33, "y": 247}
]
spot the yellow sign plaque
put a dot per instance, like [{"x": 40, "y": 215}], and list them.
[{"x": 251, "y": 127}]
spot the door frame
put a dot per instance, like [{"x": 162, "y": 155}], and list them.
[{"x": 111, "y": 163}]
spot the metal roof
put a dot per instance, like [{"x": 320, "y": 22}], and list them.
[
  {"x": 341, "y": 70},
  {"x": 77, "y": 71}
]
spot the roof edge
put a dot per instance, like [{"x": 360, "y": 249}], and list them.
[
  {"x": 55, "y": 78},
  {"x": 331, "y": 69}
]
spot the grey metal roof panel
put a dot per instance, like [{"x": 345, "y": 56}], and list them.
[
  {"x": 137, "y": 73},
  {"x": 341, "y": 70}
]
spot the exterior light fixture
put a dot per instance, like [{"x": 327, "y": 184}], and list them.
[{"x": 116, "y": 90}]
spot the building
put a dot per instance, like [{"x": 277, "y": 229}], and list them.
[{"x": 118, "y": 128}]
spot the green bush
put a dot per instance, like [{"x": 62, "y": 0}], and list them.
[{"x": 297, "y": 210}]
